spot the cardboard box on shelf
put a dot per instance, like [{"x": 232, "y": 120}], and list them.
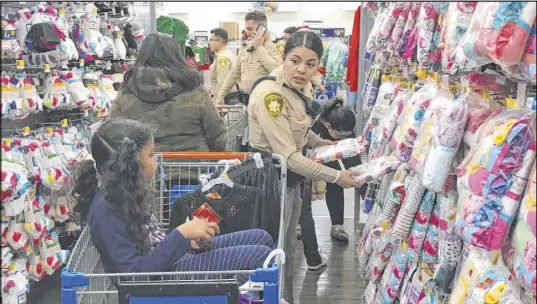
[{"x": 232, "y": 29}]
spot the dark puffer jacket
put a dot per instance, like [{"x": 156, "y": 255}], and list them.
[{"x": 181, "y": 120}]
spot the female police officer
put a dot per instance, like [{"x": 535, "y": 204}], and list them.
[{"x": 280, "y": 122}]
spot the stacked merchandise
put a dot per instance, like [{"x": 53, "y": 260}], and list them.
[
  {"x": 62, "y": 67},
  {"x": 453, "y": 219}
]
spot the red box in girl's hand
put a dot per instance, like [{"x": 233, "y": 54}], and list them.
[{"x": 207, "y": 213}]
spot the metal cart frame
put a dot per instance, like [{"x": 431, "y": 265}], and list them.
[
  {"x": 236, "y": 121},
  {"x": 85, "y": 281}
]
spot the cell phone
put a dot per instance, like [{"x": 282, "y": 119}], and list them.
[{"x": 261, "y": 29}]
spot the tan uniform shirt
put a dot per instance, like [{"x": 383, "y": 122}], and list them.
[
  {"x": 251, "y": 66},
  {"x": 220, "y": 69},
  {"x": 278, "y": 123}
]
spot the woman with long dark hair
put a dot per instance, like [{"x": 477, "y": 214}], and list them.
[
  {"x": 160, "y": 91},
  {"x": 279, "y": 116},
  {"x": 113, "y": 195}
]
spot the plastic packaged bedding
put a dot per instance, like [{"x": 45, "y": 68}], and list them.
[
  {"x": 426, "y": 27},
  {"x": 494, "y": 173},
  {"x": 375, "y": 169},
  {"x": 526, "y": 69},
  {"x": 343, "y": 149},
  {"x": 458, "y": 20},
  {"x": 410, "y": 122},
  {"x": 496, "y": 33},
  {"x": 432, "y": 237},
  {"x": 428, "y": 128},
  {"x": 407, "y": 43},
  {"x": 445, "y": 143},
  {"x": 419, "y": 227},
  {"x": 382, "y": 250},
  {"x": 393, "y": 274},
  {"x": 398, "y": 27},
  {"x": 396, "y": 194},
  {"x": 407, "y": 213},
  {"x": 524, "y": 238},
  {"x": 380, "y": 143}
]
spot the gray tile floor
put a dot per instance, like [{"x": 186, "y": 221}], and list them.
[{"x": 339, "y": 284}]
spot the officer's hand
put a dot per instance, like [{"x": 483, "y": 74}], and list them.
[
  {"x": 322, "y": 89},
  {"x": 326, "y": 142},
  {"x": 346, "y": 179},
  {"x": 257, "y": 40},
  {"x": 219, "y": 101}
]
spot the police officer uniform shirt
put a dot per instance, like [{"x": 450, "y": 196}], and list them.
[
  {"x": 250, "y": 66},
  {"x": 220, "y": 69},
  {"x": 278, "y": 123}
]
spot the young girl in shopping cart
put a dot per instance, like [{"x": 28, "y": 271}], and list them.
[{"x": 113, "y": 195}]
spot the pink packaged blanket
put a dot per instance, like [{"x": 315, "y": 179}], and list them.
[
  {"x": 524, "y": 240},
  {"x": 375, "y": 169},
  {"x": 430, "y": 122},
  {"x": 394, "y": 273},
  {"x": 407, "y": 131},
  {"x": 458, "y": 20},
  {"x": 445, "y": 143},
  {"x": 496, "y": 176},
  {"x": 419, "y": 227},
  {"x": 343, "y": 149},
  {"x": 426, "y": 26}
]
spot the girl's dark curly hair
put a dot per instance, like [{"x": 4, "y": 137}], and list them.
[
  {"x": 340, "y": 117},
  {"x": 115, "y": 149}
]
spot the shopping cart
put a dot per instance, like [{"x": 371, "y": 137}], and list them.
[
  {"x": 236, "y": 120},
  {"x": 84, "y": 280}
]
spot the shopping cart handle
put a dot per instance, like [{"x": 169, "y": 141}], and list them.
[
  {"x": 266, "y": 275},
  {"x": 73, "y": 279},
  {"x": 204, "y": 155},
  {"x": 273, "y": 254}
]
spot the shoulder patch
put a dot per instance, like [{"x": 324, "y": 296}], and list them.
[
  {"x": 273, "y": 104},
  {"x": 280, "y": 47},
  {"x": 222, "y": 62}
]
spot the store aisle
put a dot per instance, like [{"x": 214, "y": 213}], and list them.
[{"x": 339, "y": 284}]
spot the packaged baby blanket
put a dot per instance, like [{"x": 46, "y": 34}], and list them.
[
  {"x": 524, "y": 240},
  {"x": 407, "y": 213},
  {"x": 526, "y": 70},
  {"x": 450, "y": 244},
  {"x": 382, "y": 250},
  {"x": 343, "y": 149},
  {"x": 495, "y": 177},
  {"x": 407, "y": 43},
  {"x": 398, "y": 28},
  {"x": 394, "y": 273},
  {"x": 426, "y": 26},
  {"x": 408, "y": 128},
  {"x": 458, "y": 20},
  {"x": 445, "y": 143},
  {"x": 375, "y": 169},
  {"x": 380, "y": 143},
  {"x": 396, "y": 194},
  {"x": 365, "y": 248},
  {"x": 419, "y": 227},
  {"x": 428, "y": 128},
  {"x": 429, "y": 253}
]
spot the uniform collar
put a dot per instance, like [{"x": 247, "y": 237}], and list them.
[{"x": 222, "y": 51}]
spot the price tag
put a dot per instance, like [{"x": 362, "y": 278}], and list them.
[
  {"x": 64, "y": 122},
  {"x": 97, "y": 61},
  {"x": 81, "y": 62},
  {"x": 28, "y": 250},
  {"x": 511, "y": 103},
  {"x": 99, "y": 112},
  {"x": 7, "y": 142},
  {"x": 108, "y": 65},
  {"x": 47, "y": 68},
  {"x": 62, "y": 13},
  {"x": 26, "y": 131},
  {"x": 20, "y": 64},
  {"x": 132, "y": 57},
  {"x": 422, "y": 74},
  {"x": 95, "y": 12},
  {"x": 485, "y": 93},
  {"x": 435, "y": 77},
  {"x": 412, "y": 86},
  {"x": 50, "y": 131},
  {"x": 86, "y": 112}
]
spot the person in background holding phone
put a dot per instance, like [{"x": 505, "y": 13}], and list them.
[
  {"x": 223, "y": 60},
  {"x": 113, "y": 196},
  {"x": 258, "y": 58}
]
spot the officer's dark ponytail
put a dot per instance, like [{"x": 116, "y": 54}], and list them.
[
  {"x": 340, "y": 117},
  {"x": 306, "y": 39}
]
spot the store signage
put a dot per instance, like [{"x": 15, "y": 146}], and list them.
[
  {"x": 201, "y": 37},
  {"x": 313, "y": 24},
  {"x": 334, "y": 32}
]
